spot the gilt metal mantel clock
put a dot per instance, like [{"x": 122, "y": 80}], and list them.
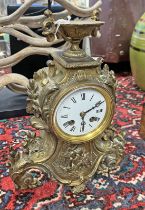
[{"x": 73, "y": 103}]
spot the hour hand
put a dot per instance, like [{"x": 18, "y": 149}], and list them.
[{"x": 83, "y": 123}]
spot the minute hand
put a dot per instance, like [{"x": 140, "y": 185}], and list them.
[{"x": 96, "y": 105}]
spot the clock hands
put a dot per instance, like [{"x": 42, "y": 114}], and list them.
[
  {"x": 70, "y": 123},
  {"x": 83, "y": 123},
  {"x": 96, "y": 105},
  {"x": 82, "y": 115}
]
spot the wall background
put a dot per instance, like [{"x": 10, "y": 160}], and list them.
[{"x": 120, "y": 18}]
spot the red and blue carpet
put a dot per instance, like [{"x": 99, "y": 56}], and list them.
[{"x": 124, "y": 189}]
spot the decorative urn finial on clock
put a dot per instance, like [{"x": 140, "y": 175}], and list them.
[{"x": 72, "y": 102}]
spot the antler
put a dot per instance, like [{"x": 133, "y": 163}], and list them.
[
  {"x": 17, "y": 57},
  {"x": 17, "y": 14},
  {"x": 67, "y": 5},
  {"x": 37, "y": 21},
  {"x": 78, "y": 11},
  {"x": 26, "y": 29},
  {"x": 13, "y": 78},
  {"x": 39, "y": 42}
]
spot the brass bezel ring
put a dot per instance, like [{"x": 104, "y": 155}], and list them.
[{"x": 103, "y": 125}]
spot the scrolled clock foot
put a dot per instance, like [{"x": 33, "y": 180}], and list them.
[
  {"x": 112, "y": 145},
  {"x": 29, "y": 177},
  {"x": 108, "y": 163},
  {"x": 27, "y": 166}
]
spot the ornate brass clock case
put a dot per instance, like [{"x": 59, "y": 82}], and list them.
[{"x": 70, "y": 158}]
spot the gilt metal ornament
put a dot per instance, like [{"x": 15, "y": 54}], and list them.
[{"x": 72, "y": 102}]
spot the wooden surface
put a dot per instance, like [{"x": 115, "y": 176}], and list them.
[{"x": 142, "y": 128}]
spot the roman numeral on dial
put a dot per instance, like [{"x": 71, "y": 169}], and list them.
[
  {"x": 97, "y": 119},
  {"x": 66, "y": 107},
  {"x": 66, "y": 124},
  {"x": 73, "y": 100},
  {"x": 99, "y": 110},
  {"x": 73, "y": 129},
  {"x": 64, "y": 116},
  {"x": 83, "y": 96},
  {"x": 93, "y": 119},
  {"x": 70, "y": 122},
  {"x": 91, "y": 97}
]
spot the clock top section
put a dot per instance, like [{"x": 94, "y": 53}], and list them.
[{"x": 74, "y": 63}]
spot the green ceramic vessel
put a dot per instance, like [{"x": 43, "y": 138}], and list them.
[{"x": 137, "y": 53}]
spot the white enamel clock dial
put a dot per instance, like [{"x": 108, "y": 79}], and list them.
[{"x": 81, "y": 111}]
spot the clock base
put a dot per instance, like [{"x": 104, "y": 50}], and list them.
[{"x": 71, "y": 164}]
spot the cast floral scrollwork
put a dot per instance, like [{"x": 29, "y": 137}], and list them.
[
  {"x": 111, "y": 143},
  {"x": 49, "y": 27},
  {"x": 107, "y": 76},
  {"x": 25, "y": 162},
  {"x": 37, "y": 102}
]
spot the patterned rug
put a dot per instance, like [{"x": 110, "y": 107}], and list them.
[{"x": 124, "y": 189}]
